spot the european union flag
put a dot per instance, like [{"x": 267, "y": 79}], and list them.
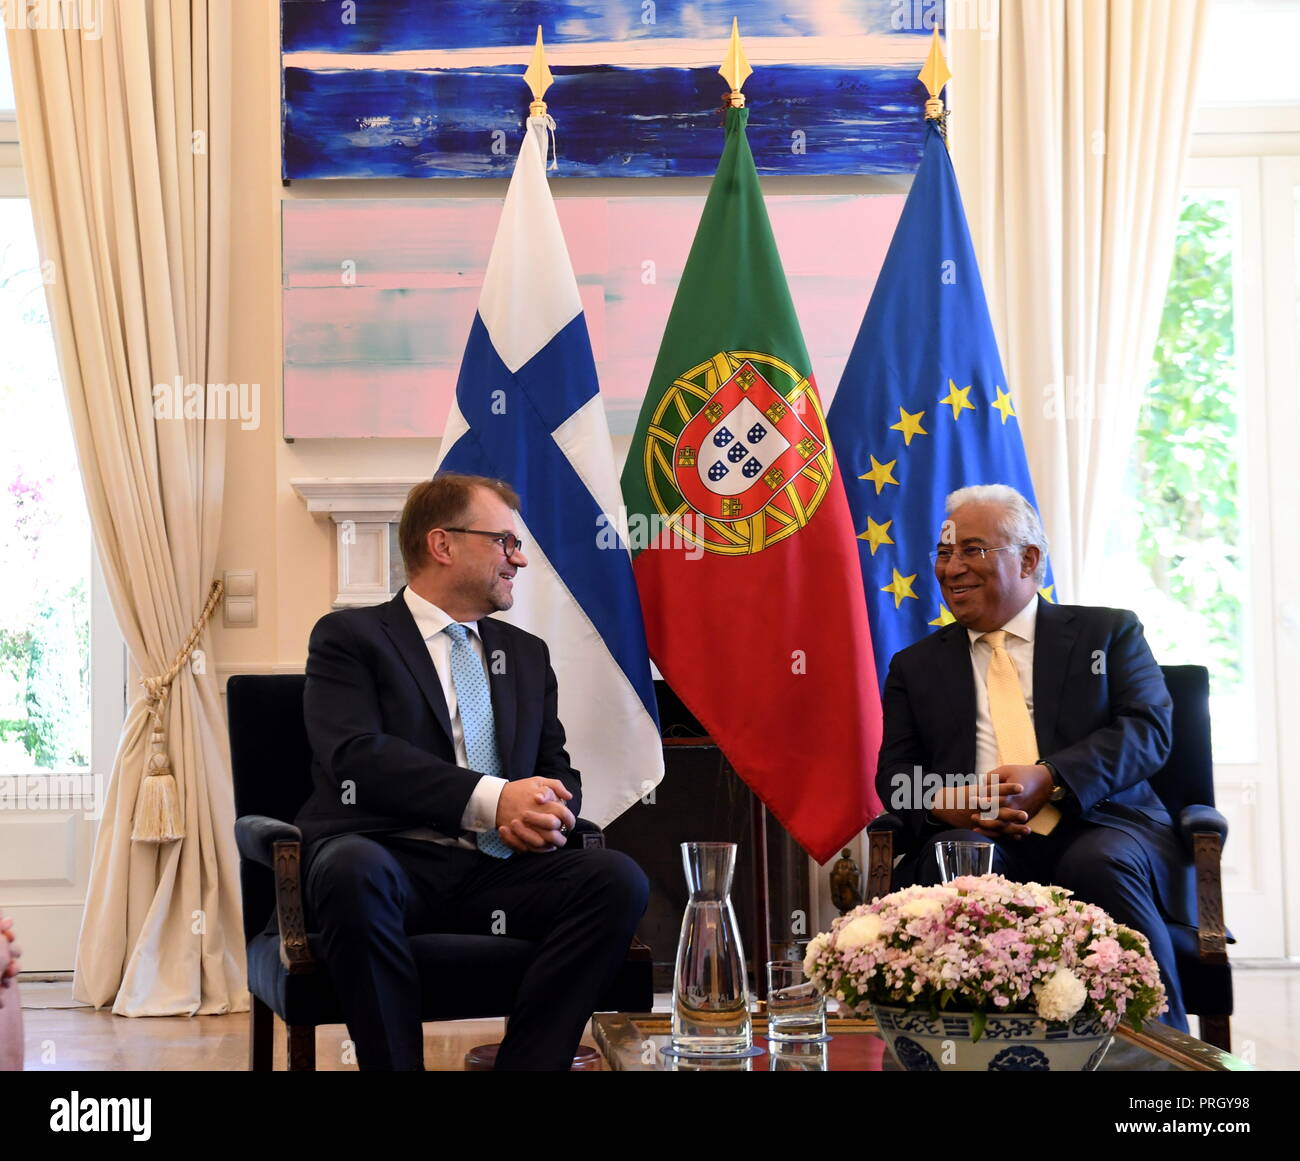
[{"x": 923, "y": 408}]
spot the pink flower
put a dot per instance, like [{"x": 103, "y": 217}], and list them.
[{"x": 1106, "y": 955}]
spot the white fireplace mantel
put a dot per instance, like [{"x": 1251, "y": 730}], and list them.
[{"x": 365, "y": 512}]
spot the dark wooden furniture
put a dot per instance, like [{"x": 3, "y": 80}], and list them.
[
  {"x": 1186, "y": 786},
  {"x": 463, "y": 976}
]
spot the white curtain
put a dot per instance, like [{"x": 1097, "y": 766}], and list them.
[
  {"x": 1070, "y": 125},
  {"x": 125, "y": 136}
]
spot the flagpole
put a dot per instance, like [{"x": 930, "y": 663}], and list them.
[{"x": 735, "y": 70}]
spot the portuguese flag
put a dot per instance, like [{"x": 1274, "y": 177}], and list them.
[{"x": 744, "y": 553}]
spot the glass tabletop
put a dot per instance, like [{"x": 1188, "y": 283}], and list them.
[{"x": 635, "y": 1042}]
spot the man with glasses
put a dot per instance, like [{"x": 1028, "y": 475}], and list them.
[
  {"x": 444, "y": 799},
  {"x": 1058, "y": 714}
]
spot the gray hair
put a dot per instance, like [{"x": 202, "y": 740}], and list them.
[{"x": 1021, "y": 525}]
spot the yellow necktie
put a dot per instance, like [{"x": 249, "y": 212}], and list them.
[{"x": 1012, "y": 725}]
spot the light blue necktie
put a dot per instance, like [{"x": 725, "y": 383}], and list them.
[{"x": 474, "y": 702}]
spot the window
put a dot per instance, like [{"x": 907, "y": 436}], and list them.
[
  {"x": 45, "y": 543},
  {"x": 1250, "y": 53}
]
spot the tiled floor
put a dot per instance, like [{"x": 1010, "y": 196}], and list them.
[{"x": 62, "y": 1035}]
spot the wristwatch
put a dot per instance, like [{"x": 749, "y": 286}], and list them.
[{"x": 1059, "y": 789}]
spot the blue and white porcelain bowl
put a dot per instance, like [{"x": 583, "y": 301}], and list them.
[{"x": 1016, "y": 1042}]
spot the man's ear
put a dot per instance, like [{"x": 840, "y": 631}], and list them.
[
  {"x": 1029, "y": 560},
  {"x": 438, "y": 544}
]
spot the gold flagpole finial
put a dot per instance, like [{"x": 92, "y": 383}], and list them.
[
  {"x": 934, "y": 75},
  {"x": 735, "y": 68},
  {"x": 538, "y": 76}
]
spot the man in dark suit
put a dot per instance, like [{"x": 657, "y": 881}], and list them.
[
  {"x": 443, "y": 796},
  {"x": 1057, "y": 713}
]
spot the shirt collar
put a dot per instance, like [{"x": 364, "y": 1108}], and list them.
[
  {"x": 1021, "y": 625},
  {"x": 429, "y": 619}
]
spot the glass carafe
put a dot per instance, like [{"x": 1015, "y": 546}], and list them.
[{"x": 710, "y": 986}]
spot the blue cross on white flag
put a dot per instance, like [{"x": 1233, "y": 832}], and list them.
[{"x": 528, "y": 411}]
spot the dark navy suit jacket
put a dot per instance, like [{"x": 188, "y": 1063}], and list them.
[
  {"x": 383, "y": 758},
  {"x": 1101, "y": 715}
]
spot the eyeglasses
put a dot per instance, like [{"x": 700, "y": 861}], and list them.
[
  {"x": 509, "y": 542},
  {"x": 968, "y": 552}
]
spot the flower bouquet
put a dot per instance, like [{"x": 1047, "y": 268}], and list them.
[{"x": 983, "y": 973}]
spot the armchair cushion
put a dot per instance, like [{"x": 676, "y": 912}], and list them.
[
  {"x": 255, "y": 836},
  {"x": 1201, "y": 818}
]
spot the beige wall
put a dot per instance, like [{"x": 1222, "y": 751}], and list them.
[{"x": 266, "y": 525}]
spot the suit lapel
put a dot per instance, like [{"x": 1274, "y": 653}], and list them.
[
  {"x": 502, "y": 681},
  {"x": 1054, "y": 636},
  {"x": 959, "y": 684},
  {"x": 401, "y": 629}
]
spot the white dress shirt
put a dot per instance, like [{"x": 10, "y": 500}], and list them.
[
  {"x": 1020, "y": 645},
  {"x": 481, "y": 809}
]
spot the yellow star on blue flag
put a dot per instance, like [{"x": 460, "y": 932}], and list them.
[{"x": 900, "y": 587}]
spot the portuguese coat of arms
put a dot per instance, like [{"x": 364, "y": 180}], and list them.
[{"x": 750, "y": 464}]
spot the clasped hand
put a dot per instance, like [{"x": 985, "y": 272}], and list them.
[
  {"x": 531, "y": 815},
  {"x": 1002, "y": 805}
]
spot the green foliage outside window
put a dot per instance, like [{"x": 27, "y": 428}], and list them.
[
  {"x": 44, "y": 534},
  {"x": 1186, "y": 454}
]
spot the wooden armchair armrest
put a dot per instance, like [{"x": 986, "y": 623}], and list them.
[
  {"x": 880, "y": 854},
  {"x": 294, "y": 951},
  {"x": 1212, "y": 936}
]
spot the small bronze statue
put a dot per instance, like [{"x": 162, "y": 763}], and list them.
[{"x": 846, "y": 883}]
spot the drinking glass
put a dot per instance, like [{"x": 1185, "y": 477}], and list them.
[
  {"x": 796, "y": 1010},
  {"x": 963, "y": 858}
]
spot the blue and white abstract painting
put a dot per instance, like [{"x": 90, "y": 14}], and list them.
[{"x": 433, "y": 88}]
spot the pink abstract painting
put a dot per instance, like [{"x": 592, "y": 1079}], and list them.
[{"x": 379, "y": 295}]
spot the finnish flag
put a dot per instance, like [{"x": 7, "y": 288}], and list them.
[{"x": 528, "y": 411}]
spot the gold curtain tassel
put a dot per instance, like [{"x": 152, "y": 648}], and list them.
[
  {"x": 157, "y": 810},
  {"x": 157, "y": 817}
]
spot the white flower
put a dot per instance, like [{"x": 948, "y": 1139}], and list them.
[
  {"x": 858, "y": 932},
  {"x": 816, "y": 946},
  {"x": 920, "y": 908},
  {"x": 1059, "y": 996}
]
